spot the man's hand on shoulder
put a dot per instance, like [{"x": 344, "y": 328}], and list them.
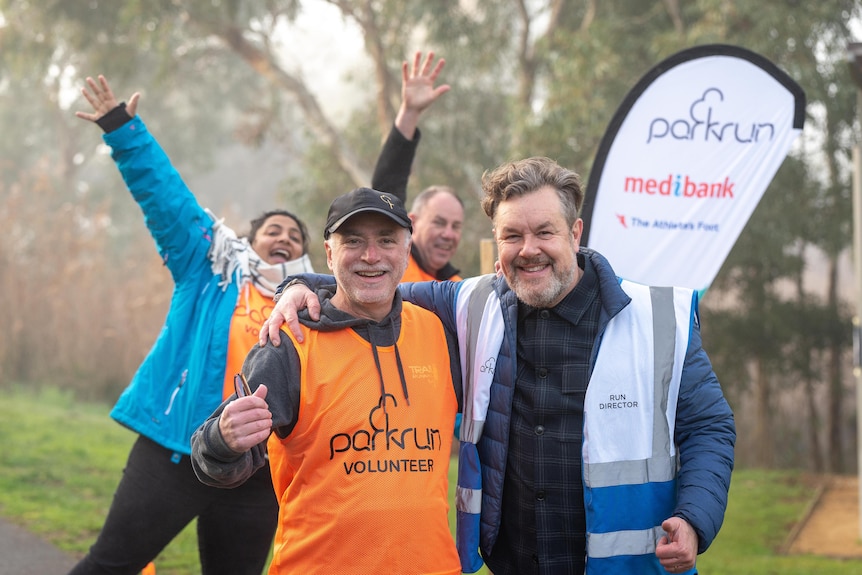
[{"x": 294, "y": 298}]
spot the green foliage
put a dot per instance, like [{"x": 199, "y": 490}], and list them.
[{"x": 528, "y": 78}]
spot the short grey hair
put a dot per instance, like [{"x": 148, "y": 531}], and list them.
[{"x": 522, "y": 177}]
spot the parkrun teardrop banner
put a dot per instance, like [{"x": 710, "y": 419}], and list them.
[{"x": 685, "y": 161}]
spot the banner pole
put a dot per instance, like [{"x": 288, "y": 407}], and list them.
[
  {"x": 854, "y": 58},
  {"x": 857, "y": 327}
]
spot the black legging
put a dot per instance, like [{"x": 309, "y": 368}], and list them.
[{"x": 157, "y": 498}]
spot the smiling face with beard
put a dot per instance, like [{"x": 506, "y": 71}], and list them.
[{"x": 537, "y": 249}]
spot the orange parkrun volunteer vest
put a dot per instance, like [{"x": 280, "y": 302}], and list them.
[
  {"x": 252, "y": 309},
  {"x": 414, "y": 273},
  {"x": 363, "y": 487}
]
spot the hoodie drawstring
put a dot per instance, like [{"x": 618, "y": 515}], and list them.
[
  {"x": 398, "y": 363},
  {"x": 380, "y": 370},
  {"x": 379, "y": 374},
  {"x": 401, "y": 374}
]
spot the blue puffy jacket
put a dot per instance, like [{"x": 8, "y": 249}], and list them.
[{"x": 180, "y": 382}]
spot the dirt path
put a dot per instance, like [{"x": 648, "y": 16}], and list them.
[{"x": 831, "y": 527}]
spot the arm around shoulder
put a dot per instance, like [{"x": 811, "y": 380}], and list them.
[{"x": 437, "y": 297}]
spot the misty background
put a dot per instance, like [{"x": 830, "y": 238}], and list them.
[{"x": 285, "y": 103}]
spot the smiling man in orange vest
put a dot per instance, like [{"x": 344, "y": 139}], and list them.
[{"x": 356, "y": 419}]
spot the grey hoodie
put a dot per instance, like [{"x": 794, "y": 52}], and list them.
[{"x": 278, "y": 367}]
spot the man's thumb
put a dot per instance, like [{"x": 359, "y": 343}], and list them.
[{"x": 669, "y": 527}]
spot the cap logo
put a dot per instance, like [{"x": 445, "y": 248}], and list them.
[{"x": 388, "y": 201}]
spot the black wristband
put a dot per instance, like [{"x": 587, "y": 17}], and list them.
[{"x": 114, "y": 119}]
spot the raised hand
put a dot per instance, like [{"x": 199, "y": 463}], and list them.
[
  {"x": 102, "y": 98},
  {"x": 417, "y": 82},
  {"x": 418, "y": 91}
]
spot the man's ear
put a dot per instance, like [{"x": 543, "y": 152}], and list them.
[
  {"x": 328, "y": 249},
  {"x": 577, "y": 231}
]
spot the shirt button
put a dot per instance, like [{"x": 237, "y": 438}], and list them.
[
  {"x": 539, "y": 429},
  {"x": 540, "y": 495},
  {"x": 542, "y": 372},
  {"x": 544, "y": 314}
]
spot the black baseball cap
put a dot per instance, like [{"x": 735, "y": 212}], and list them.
[{"x": 365, "y": 200}]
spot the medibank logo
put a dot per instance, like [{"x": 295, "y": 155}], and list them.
[{"x": 680, "y": 186}]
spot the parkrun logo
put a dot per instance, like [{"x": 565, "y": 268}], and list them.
[
  {"x": 704, "y": 124},
  {"x": 394, "y": 450},
  {"x": 679, "y": 186}
]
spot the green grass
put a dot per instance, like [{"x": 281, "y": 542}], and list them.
[
  {"x": 61, "y": 460},
  {"x": 763, "y": 509},
  {"x": 59, "y": 466}
]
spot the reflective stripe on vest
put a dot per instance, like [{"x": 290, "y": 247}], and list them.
[
  {"x": 480, "y": 343},
  {"x": 480, "y": 333}
]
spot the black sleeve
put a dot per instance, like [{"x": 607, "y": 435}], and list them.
[
  {"x": 309, "y": 280},
  {"x": 394, "y": 164},
  {"x": 115, "y": 118},
  {"x": 215, "y": 463},
  {"x": 278, "y": 368}
]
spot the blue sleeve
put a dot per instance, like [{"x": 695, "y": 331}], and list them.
[
  {"x": 179, "y": 225},
  {"x": 706, "y": 434},
  {"x": 439, "y": 298},
  {"x": 436, "y": 297},
  {"x": 313, "y": 281}
]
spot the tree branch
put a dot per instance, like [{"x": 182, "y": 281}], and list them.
[
  {"x": 672, "y": 7},
  {"x": 319, "y": 124},
  {"x": 589, "y": 15},
  {"x": 364, "y": 14}
]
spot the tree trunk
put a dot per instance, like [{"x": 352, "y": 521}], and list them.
[
  {"x": 836, "y": 384},
  {"x": 813, "y": 426},
  {"x": 763, "y": 424}
]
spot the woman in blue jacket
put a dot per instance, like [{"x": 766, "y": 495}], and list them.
[{"x": 222, "y": 294}]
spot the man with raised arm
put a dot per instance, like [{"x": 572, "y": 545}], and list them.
[{"x": 437, "y": 212}]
